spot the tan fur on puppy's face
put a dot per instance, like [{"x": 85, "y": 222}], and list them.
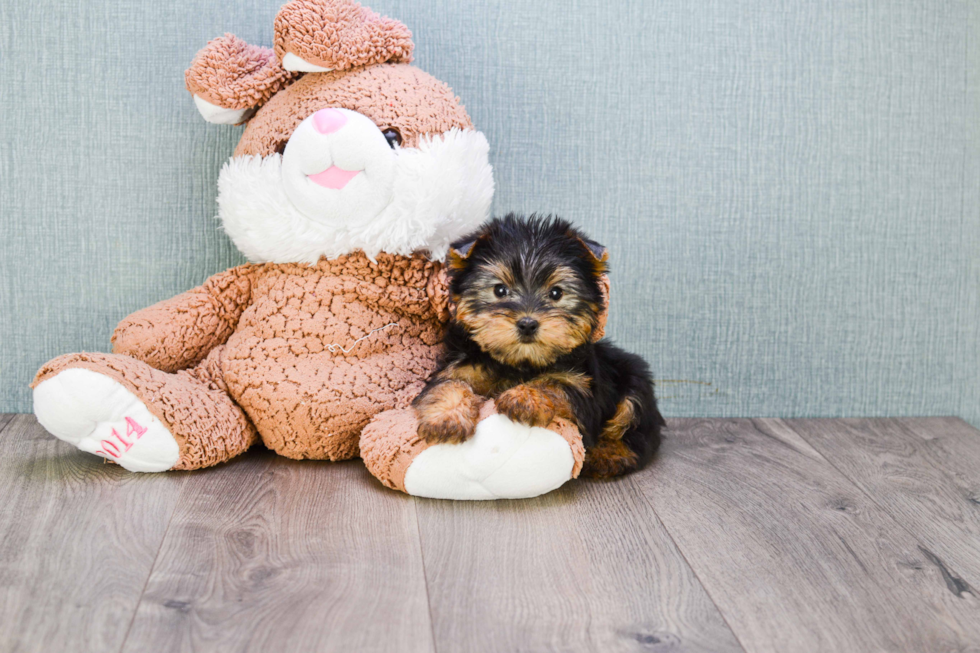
[{"x": 563, "y": 324}]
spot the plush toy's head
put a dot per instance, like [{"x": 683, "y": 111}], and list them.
[{"x": 346, "y": 146}]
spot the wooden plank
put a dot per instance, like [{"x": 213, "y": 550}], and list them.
[
  {"x": 271, "y": 554},
  {"x": 925, "y": 472},
  {"x": 795, "y": 556},
  {"x": 5, "y": 419},
  {"x": 586, "y": 568},
  {"x": 79, "y": 537}
]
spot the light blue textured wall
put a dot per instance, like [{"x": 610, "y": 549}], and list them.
[{"x": 790, "y": 190}]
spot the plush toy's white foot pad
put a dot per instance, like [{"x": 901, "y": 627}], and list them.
[
  {"x": 100, "y": 416},
  {"x": 503, "y": 460}
]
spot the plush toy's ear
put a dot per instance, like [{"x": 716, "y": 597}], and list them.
[
  {"x": 317, "y": 36},
  {"x": 230, "y": 79}
]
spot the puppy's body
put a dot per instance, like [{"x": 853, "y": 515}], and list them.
[{"x": 528, "y": 299}]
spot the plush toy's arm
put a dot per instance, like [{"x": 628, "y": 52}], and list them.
[
  {"x": 503, "y": 459},
  {"x": 179, "y": 332}
]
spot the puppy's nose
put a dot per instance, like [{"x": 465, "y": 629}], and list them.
[
  {"x": 528, "y": 326},
  {"x": 327, "y": 121}
]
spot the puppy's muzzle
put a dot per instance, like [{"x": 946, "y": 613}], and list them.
[{"x": 527, "y": 327}]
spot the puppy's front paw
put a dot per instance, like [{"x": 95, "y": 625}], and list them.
[
  {"x": 527, "y": 405},
  {"x": 447, "y": 413}
]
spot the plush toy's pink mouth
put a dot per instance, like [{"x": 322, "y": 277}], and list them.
[{"x": 333, "y": 177}]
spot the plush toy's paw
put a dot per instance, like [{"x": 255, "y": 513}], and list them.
[
  {"x": 447, "y": 413},
  {"x": 100, "y": 416},
  {"x": 502, "y": 460},
  {"x": 527, "y": 405}
]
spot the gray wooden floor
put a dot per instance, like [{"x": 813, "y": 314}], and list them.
[{"x": 745, "y": 535}]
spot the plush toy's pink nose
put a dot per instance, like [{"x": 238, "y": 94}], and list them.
[{"x": 327, "y": 121}]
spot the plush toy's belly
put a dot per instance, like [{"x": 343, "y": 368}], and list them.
[{"x": 318, "y": 354}]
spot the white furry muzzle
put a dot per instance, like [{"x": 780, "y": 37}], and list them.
[{"x": 403, "y": 200}]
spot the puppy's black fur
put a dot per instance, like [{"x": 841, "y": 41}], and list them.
[{"x": 528, "y": 297}]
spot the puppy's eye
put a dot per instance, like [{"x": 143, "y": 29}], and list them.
[
  {"x": 500, "y": 290},
  {"x": 556, "y": 293},
  {"x": 392, "y": 136}
]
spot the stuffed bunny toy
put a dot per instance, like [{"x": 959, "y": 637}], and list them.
[{"x": 354, "y": 173}]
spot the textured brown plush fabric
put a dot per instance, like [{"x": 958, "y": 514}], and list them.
[
  {"x": 310, "y": 354},
  {"x": 286, "y": 363},
  {"x": 569, "y": 431},
  {"x": 179, "y": 332},
  {"x": 340, "y": 34},
  {"x": 230, "y": 73},
  {"x": 391, "y": 442},
  {"x": 194, "y": 406},
  {"x": 395, "y": 96}
]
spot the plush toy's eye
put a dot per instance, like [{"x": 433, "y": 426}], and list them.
[
  {"x": 556, "y": 293},
  {"x": 393, "y": 137},
  {"x": 500, "y": 290}
]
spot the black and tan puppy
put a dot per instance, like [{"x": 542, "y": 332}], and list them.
[{"x": 528, "y": 298}]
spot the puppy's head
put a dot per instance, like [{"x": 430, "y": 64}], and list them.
[{"x": 527, "y": 290}]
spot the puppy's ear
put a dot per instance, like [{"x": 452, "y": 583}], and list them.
[
  {"x": 600, "y": 255},
  {"x": 461, "y": 250},
  {"x": 598, "y": 251},
  {"x": 600, "y": 331}
]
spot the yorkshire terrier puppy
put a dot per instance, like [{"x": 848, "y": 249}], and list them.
[{"x": 528, "y": 297}]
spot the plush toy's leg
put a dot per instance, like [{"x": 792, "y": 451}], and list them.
[
  {"x": 146, "y": 420},
  {"x": 503, "y": 459}
]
